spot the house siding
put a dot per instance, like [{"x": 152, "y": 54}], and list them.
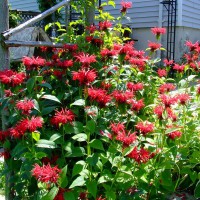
[
  {"x": 143, "y": 13},
  {"x": 25, "y": 5},
  {"x": 191, "y": 13}
]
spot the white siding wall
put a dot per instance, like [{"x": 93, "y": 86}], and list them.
[
  {"x": 144, "y": 13},
  {"x": 27, "y": 5},
  {"x": 191, "y": 13}
]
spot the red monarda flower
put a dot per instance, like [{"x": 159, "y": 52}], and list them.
[
  {"x": 86, "y": 59},
  {"x": 46, "y": 173},
  {"x": 105, "y": 25},
  {"x": 126, "y": 139},
  {"x": 179, "y": 68},
  {"x": 168, "y": 62},
  {"x": 117, "y": 128},
  {"x": 5, "y": 154},
  {"x": 168, "y": 100},
  {"x": 135, "y": 86},
  {"x": 3, "y": 135},
  {"x": 63, "y": 117},
  {"x": 8, "y": 93},
  {"x": 32, "y": 124},
  {"x": 25, "y": 106},
  {"x": 122, "y": 97},
  {"x": 154, "y": 46},
  {"x": 183, "y": 98},
  {"x": 91, "y": 28},
  {"x": 85, "y": 77},
  {"x": 162, "y": 73},
  {"x": 166, "y": 87},
  {"x": 191, "y": 46},
  {"x": 140, "y": 156},
  {"x": 138, "y": 62},
  {"x": 137, "y": 105},
  {"x": 65, "y": 64},
  {"x": 99, "y": 95},
  {"x": 70, "y": 47},
  {"x": 175, "y": 134},
  {"x": 159, "y": 111},
  {"x": 106, "y": 53},
  {"x": 12, "y": 78},
  {"x": 33, "y": 63},
  {"x": 100, "y": 198},
  {"x": 158, "y": 31},
  {"x": 125, "y": 6},
  {"x": 145, "y": 127}
]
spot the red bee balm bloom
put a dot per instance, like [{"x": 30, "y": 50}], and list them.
[
  {"x": 140, "y": 156},
  {"x": 158, "y": 31},
  {"x": 162, "y": 72},
  {"x": 166, "y": 87},
  {"x": 135, "y": 86},
  {"x": 105, "y": 25},
  {"x": 84, "y": 76},
  {"x": 31, "y": 124},
  {"x": 33, "y": 63},
  {"x": 122, "y": 97},
  {"x": 175, "y": 134},
  {"x": 12, "y": 78},
  {"x": 125, "y": 5},
  {"x": 168, "y": 100},
  {"x": 137, "y": 105},
  {"x": 99, "y": 95},
  {"x": 154, "y": 46},
  {"x": 86, "y": 59},
  {"x": 183, "y": 98},
  {"x": 46, "y": 173},
  {"x": 25, "y": 106},
  {"x": 179, "y": 68},
  {"x": 63, "y": 117},
  {"x": 145, "y": 127}
]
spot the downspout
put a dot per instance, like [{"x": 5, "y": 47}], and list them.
[{"x": 160, "y": 21}]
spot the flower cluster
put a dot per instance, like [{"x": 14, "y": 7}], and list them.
[{"x": 46, "y": 173}]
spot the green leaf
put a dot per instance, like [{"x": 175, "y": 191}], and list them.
[
  {"x": 76, "y": 152},
  {"x": 80, "y": 102},
  {"x": 78, "y": 167},
  {"x": 110, "y": 195},
  {"x": 91, "y": 126},
  {"x": 79, "y": 181},
  {"x": 51, "y": 195},
  {"x": 97, "y": 144},
  {"x": 36, "y": 136},
  {"x": 51, "y": 97},
  {"x": 46, "y": 144},
  {"x": 55, "y": 136},
  {"x": 166, "y": 178},
  {"x": 171, "y": 130},
  {"x": 40, "y": 155},
  {"x": 92, "y": 187},
  {"x": 30, "y": 84},
  {"x": 47, "y": 85},
  {"x": 69, "y": 196},
  {"x": 47, "y": 110},
  {"x": 92, "y": 160},
  {"x": 63, "y": 181},
  {"x": 197, "y": 190},
  {"x": 81, "y": 137}
]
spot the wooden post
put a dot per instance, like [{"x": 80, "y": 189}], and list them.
[
  {"x": 90, "y": 12},
  {"x": 5, "y": 64},
  {"x": 4, "y": 25}
]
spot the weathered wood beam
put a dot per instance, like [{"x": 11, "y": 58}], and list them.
[
  {"x": 32, "y": 21},
  {"x": 16, "y": 43},
  {"x": 4, "y": 25},
  {"x": 90, "y": 12}
]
